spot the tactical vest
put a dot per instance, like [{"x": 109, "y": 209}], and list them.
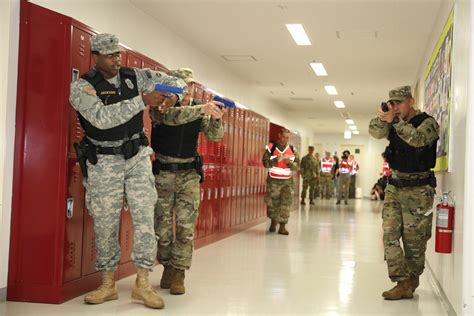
[
  {"x": 176, "y": 141},
  {"x": 109, "y": 94},
  {"x": 405, "y": 158}
]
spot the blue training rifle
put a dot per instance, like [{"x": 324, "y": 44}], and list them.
[
  {"x": 228, "y": 103},
  {"x": 169, "y": 89}
]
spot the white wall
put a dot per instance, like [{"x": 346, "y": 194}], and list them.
[
  {"x": 448, "y": 269},
  {"x": 9, "y": 17}
]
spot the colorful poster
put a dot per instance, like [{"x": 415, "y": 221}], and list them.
[{"x": 437, "y": 100}]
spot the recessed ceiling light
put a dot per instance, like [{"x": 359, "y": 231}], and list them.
[
  {"x": 353, "y": 127},
  {"x": 347, "y": 135},
  {"x": 298, "y": 33},
  {"x": 355, "y": 132},
  {"x": 318, "y": 69},
  {"x": 350, "y": 122},
  {"x": 331, "y": 90},
  {"x": 339, "y": 104}
]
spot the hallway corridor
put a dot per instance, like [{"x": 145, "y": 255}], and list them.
[{"x": 331, "y": 264}]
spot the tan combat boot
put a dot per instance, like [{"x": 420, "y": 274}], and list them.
[
  {"x": 415, "y": 282},
  {"x": 142, "y": 291},
  {"x": 401, "y": 291},
  {"x": 107, "y": 291},
  {"x": 177, "y": 285},
  {"x": 273, "y": 226},
  {"x": 311, "y": 202},
  {"x": 282, "y": 230},
  {"x": 167, "y": 277}
]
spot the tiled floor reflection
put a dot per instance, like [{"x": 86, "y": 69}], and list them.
[{"x": 330, "y": 264}]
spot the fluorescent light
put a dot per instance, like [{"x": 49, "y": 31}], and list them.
[
  {"x": 339, "y": 104},
  {"x": 350, "y": 122},
  {"x": 353, "y": 127},
  {"x": 347, "y": 135},
  {"x": 318, "y": 69},
  {"x": 298, "y": 34},
  {"x": 331, "y": 90},
  {"x": 355, "y": 132}
]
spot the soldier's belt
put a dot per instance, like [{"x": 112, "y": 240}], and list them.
[
  {"x": 159, "y": 166},
  {"x": 405, "y": 183}
]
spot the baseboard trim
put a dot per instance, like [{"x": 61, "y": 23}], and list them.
[
  {"x": 3, "y": 294},
  {"x": 440, "y": 292}
]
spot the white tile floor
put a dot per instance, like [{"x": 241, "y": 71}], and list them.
[{"x": 330, "y": 264}]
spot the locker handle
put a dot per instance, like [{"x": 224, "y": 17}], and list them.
[
  {"x": 222, "y": 192},
  {"x": 70, "y": 208},
  {"x": 209, "y": 193},
  {"x": 216, "y": 193},
  {"x": 75, "y": 74}
]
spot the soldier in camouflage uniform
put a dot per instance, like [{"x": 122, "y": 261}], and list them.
[
  {"x": 110, "y": 101},
  {"x": 281, "y": 158},
  {"x": 309, "y": 169},
  {"x": 177, "y": 175},
  {"x": 410, "y": 191},
  {"x": 317, "y": 186}
]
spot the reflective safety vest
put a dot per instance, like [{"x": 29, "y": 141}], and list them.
[
  {"x": 345, "y": 167},
  {"x": 386, "y": 172},
  {"x": 354, "y": 166},
  {"x": 326, "y": 165},
  {"x": 281, "y": 170}
]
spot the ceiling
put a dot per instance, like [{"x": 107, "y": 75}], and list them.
[{"x": 367, "y": 47}]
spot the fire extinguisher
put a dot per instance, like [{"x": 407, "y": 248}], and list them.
[{"x": 444, "y": 225}]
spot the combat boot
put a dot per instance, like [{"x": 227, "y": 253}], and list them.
[
  {"x": 273, "y": 226},
  {"x": 338, "y": 202},
  {"x": 415, "y": 282},
  {"x": 142, "y": 291},
  {"x": 302, "y": 202},
  {"x": 107, "y": 291},
  {"x": 401, "y": 291},
  {"x": 282, "y": 230},
  {"x": 177, "y": 285},
  {"x": 311, "y": 202},
  {"x": 167, "y": 277}
]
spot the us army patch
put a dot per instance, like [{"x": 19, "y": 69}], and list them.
[{"x": 129, "y": 83}]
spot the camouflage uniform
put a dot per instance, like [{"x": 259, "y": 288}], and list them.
[
  {"x": 179, "y": 190},
  {"x": 279, "y": 198},
  {"x": 309, "y": 170},
  {"x": 113, "y": 178},
  {"x": 405, "y": 211}
]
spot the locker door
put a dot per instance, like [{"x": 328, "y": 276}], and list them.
[
  {"x": 75, "y": 217},
  {"x": 133, "y": 61},
  {"x": 74, "y": 224}
]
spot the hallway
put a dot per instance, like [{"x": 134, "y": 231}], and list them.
[{"x": 331, "y": 264}]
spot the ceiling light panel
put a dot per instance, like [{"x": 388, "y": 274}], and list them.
[
  {"x": 299, "y": 35},
  {"x": 339, "y": 104},
  {"x": 355, "y": 132},
  {"x": 350, "y": 122},
  {"x": 319, "y": 69},
  {"x": 347, "y": 135},
  {"x": 331, "y": 90},
  {"x": 353, "y": 127}
]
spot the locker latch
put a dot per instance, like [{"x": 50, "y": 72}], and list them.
[{"x": 70, "y": 208}]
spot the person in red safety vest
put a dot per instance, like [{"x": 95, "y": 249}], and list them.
[
  {"x": 355, "y": 170},
  {"x": 386, "y": 172},
  {"x": 327, "y": 164},
  {"x": 344, "y": 179},
  {"x": 281, "y": 159}
]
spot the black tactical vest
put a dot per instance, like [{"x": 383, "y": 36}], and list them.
[
  {"x": 405, "y": 158},
  {"x": 109, "y": 94},
  {"x": 176, "y": 141}
]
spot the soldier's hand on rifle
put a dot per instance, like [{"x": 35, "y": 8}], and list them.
[
  {"x": 154, "y": 98},
  {"x": 387, "y": 116},
  {"x": 213, "y": 109}
]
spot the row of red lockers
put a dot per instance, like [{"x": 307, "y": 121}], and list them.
[{"x": 59, "y": 229}]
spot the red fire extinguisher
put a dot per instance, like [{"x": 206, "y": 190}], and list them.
[{"x": 444, "y": 225}]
